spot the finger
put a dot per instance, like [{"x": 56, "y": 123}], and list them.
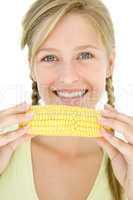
[
  {"x": 111, "y": 150},
  {"x": 117, "y": 159},
  {"x": 119, "y": 126},
  {"x": 110, "y": 107},
  {"x": 23, "y": 107},
  {"x": 117, "y": 115},
  {"x": 13, "y": 145},
  {"x": 31, "y": 135},
  {"x": 9, "y": 120},
  {"x": 13, "y": 135},
  {"x": 124, "y": 148}
]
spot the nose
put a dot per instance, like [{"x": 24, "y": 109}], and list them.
[{"x": 68, "y": 73}]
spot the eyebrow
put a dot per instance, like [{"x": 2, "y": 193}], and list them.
[{"x": 77, "y": 48}]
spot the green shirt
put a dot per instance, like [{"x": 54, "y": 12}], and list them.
[{"x": 17, "y": 181}]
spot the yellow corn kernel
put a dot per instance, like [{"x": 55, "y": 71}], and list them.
[{"x": 64, "y": 120}]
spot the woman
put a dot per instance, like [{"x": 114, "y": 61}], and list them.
[{"x": 71, "y": 49}]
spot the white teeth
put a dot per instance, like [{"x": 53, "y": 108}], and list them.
[{"x": 73, "y": 94}]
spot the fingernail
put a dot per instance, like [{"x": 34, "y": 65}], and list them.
[{"x": 29, "y": 116}]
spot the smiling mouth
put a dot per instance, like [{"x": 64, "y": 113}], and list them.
[{"x": 76, "y": 97}]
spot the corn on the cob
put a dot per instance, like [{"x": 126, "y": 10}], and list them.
[{"x": 64, "y": 120}]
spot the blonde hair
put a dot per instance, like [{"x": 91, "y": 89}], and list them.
[{"x": 41, "y": 19}]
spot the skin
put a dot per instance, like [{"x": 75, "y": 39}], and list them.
[{"x": 69, "y": 69}]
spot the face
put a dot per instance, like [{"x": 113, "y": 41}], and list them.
[{"x": 72, "y": 65}]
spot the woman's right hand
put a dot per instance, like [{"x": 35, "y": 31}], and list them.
[{"x": 11, "y": 139}]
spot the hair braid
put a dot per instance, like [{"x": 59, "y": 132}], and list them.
[
  {"x": 115, "y": 186},
  {"x": 35, "y": 94}
]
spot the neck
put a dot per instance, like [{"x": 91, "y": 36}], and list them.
[{"x": 71, "y": 147}]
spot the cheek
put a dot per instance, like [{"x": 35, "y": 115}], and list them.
[
  {"x": 96, "y": 76},
  {"x": 45, "y": 77},
  {"x": 96, "y": 79}
]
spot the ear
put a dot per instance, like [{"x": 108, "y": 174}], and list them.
[
  {"x": 32, "y": 75},
  {"x": 111, "y": 63}
]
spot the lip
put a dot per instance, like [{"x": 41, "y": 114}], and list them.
[
  {"x": 70, "y": 91},
  {"x": 70, "y": 97}
]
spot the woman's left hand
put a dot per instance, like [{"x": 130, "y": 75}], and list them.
[{"x": 119, "y": 152}]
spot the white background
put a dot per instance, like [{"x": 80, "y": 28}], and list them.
[{"x": 15, "y": 84}]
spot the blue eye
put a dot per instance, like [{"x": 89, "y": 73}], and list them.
[
  {"x": 48, "y": 58},
  {"x": 86, "y": 55},
  {"x": 51, "y": 58}
]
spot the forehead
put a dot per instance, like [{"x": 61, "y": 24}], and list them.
[{"x": 73, "y": 30}]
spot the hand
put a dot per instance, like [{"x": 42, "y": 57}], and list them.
[
  {"x": 9, "y": 140},
  {"x": 119, "y": 151}
]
